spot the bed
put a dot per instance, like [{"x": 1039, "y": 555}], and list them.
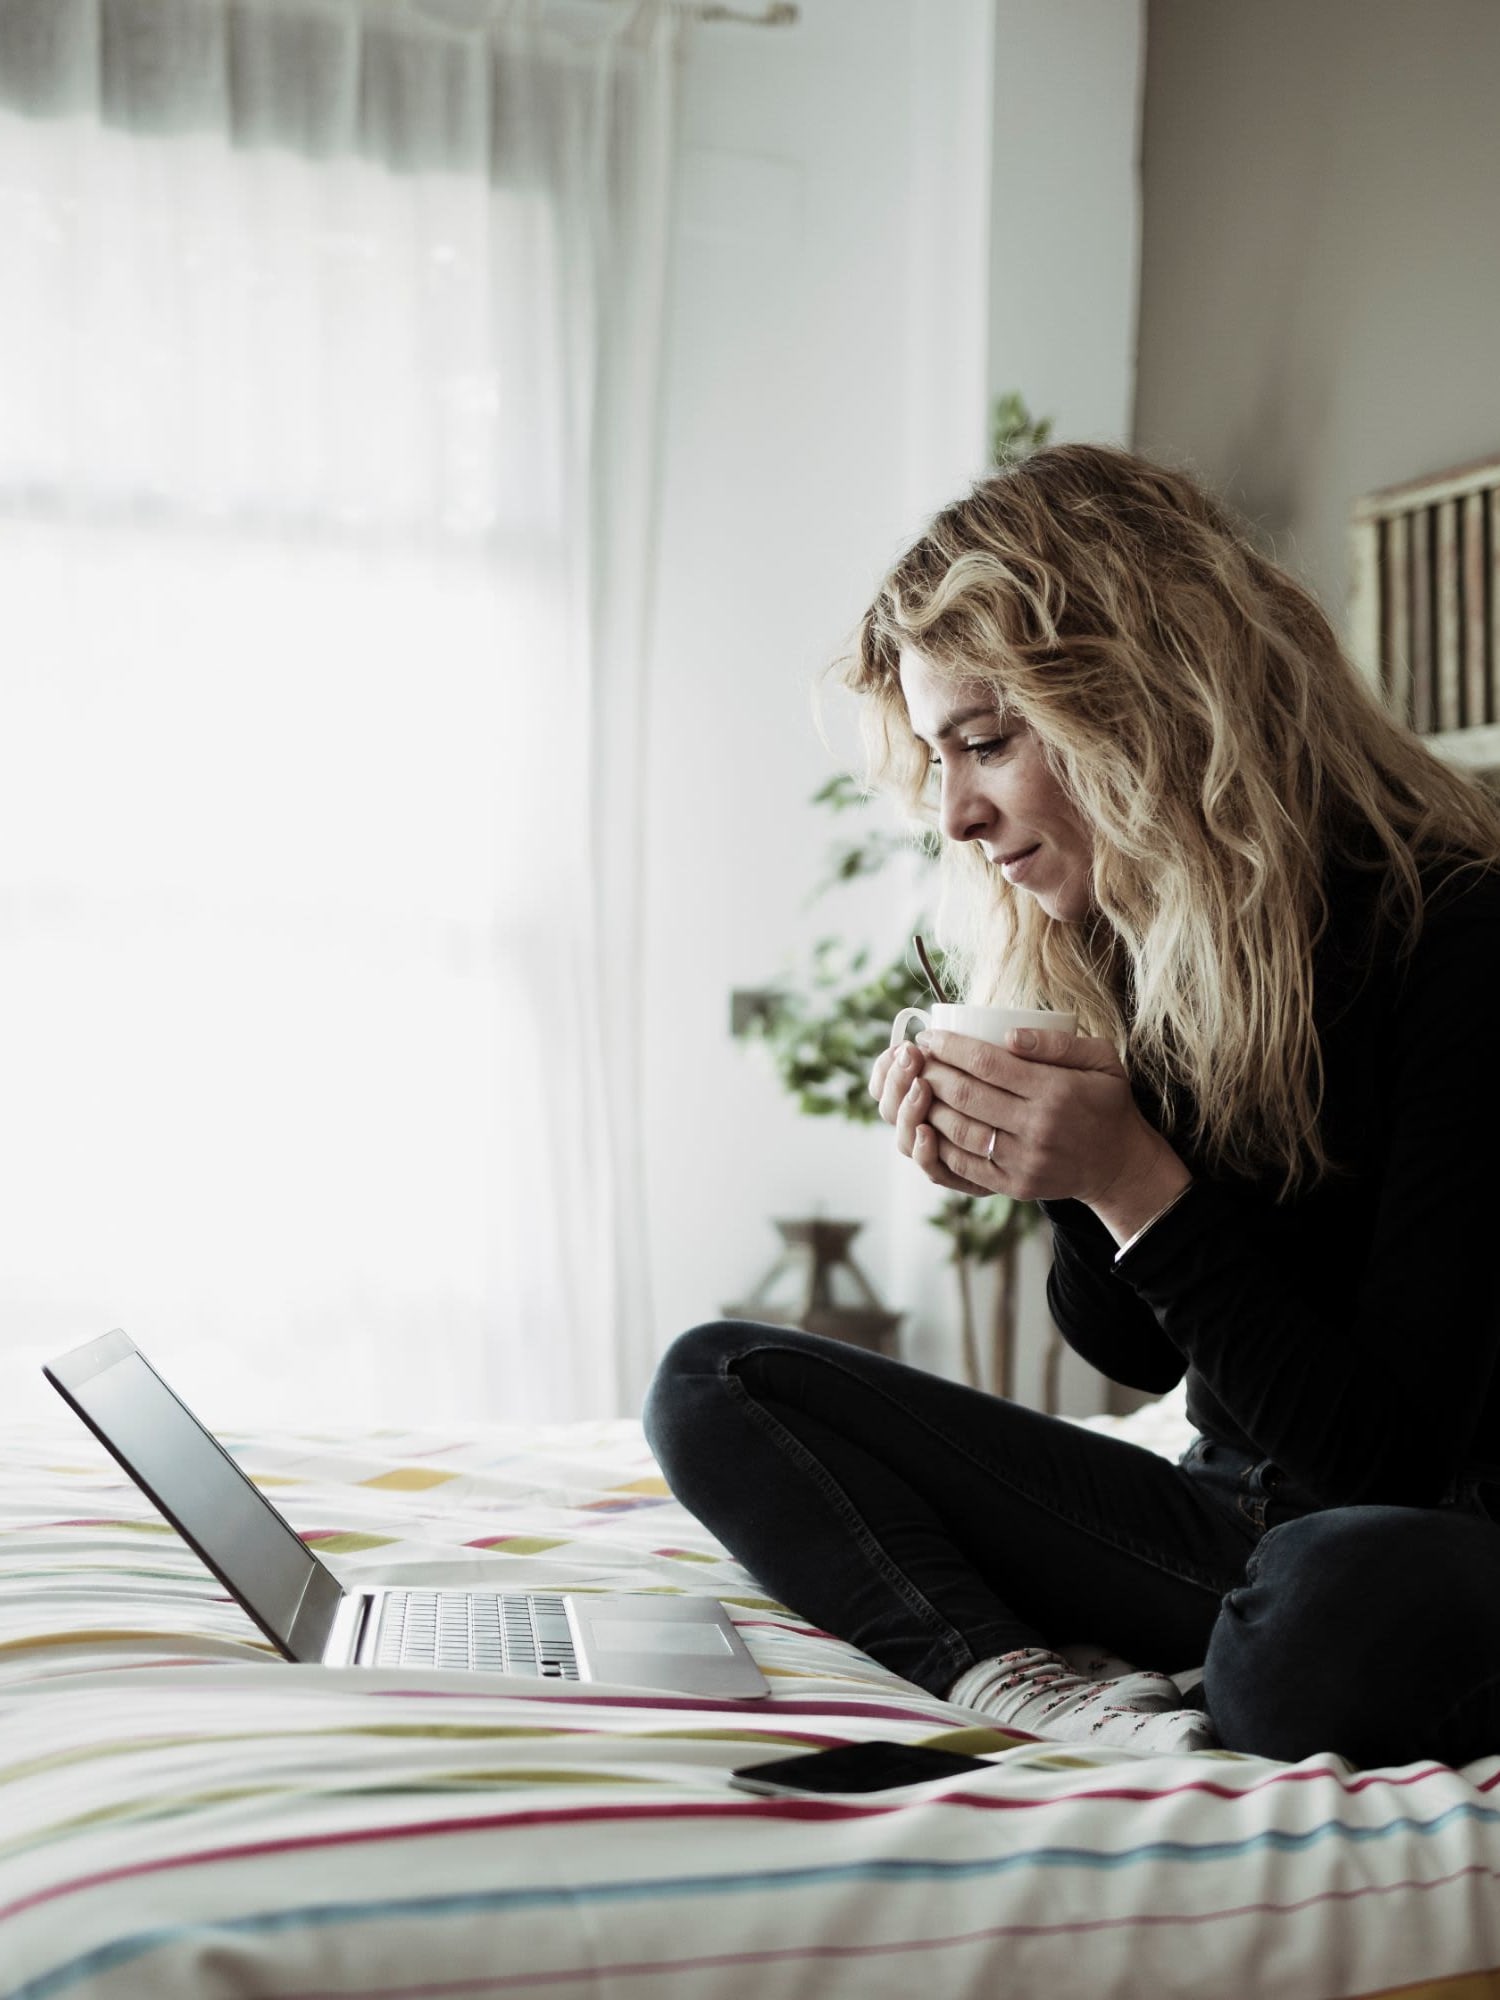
[{"x": 181, "y": 1813}]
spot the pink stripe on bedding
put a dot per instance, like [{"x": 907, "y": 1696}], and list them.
[{"x": 744, "y": 1808}]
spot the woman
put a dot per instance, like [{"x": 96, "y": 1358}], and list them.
[{"x": 1271, "y": 1161}]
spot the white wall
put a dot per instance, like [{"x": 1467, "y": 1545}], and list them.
[
  {"x": 819, "y": 405},
  {"x": 1320, "y": 280},
  {"x": 1066, "y": 242},
  {"x": 830, "y": 360}
]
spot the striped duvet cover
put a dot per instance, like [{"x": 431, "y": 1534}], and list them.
[{"x": 182, "y": 1814}]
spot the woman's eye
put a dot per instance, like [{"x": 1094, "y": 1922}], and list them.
[{"x": 986, "y": 753}]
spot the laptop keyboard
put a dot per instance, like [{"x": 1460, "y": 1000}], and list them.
[{"x": 501, "y": 1633}]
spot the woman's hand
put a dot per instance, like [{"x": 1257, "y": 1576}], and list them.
[{"x": 1064, "y": 1122}]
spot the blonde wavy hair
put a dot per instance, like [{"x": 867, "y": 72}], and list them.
[{"x": 1192, "y": 701}]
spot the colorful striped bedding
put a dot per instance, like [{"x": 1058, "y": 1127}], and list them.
[{"x": 182, "y": 1814}]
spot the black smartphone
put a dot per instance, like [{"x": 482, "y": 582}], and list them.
[{"x": 854, "y": 1767}]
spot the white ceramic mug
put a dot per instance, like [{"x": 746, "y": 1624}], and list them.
[{"x": 985, "y": 1024}]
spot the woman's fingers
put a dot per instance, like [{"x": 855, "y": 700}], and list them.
[
  {"x": 896, "y": 1081},
  {"x": 911, "y": 1109},
  {"x": 906, "y": 1101},
  {"x": 880, "y": 1071},
  {"x": 966, "y": 1111},
  {"x": 919, "y": 1139},
  {"x": 971, "y": 1096},
  {"x": 967, "y": 1134},
  {"x": 929, "y": 1156}
]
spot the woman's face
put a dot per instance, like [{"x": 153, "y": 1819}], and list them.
[{"x": 997, "y": 791}]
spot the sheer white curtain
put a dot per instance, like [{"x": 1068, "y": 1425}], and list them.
[{"x": 328, "y": 347}]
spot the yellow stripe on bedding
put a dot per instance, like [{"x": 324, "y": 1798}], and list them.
[
  {"x": 409, "y": 1479},
  {"x": 35, "y": 1641}
]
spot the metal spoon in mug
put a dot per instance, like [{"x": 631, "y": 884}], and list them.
[{"x": 928, "y": 974}]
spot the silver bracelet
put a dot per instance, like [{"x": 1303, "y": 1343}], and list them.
[{"x": 1131, "y": 1242}]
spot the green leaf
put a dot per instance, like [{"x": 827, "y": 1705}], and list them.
[
  {"x": 1013, "y": 431},
  {"x": 841, "y": 792}
]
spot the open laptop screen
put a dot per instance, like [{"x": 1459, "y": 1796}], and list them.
[{"x": 187, "y": 1474}]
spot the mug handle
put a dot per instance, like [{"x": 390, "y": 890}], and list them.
[{"x": 898, "y": 1026}]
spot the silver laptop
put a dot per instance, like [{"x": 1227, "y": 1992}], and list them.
[{"x": 685, "y": 1644}]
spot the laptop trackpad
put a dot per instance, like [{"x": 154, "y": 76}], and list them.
[
  {"x": 658, "y": 1635},
  {"x": 650, "y": 1640}
]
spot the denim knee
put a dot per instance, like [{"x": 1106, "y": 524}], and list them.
[
  {"x": 674, "y": 1394},
  {"x": 1373, "y": 1632}
]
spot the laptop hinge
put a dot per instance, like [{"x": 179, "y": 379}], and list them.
[
  {"x": 346, "y": 1634},
  {"x": 368, "y": 1602}
]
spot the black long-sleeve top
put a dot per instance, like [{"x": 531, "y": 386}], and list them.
[{"x": 1351, "y": 1333}]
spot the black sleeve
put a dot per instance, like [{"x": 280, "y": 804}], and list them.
[
  {"x": 1097, "y": 1313},
  {"x": 1380, "y": 1400}
]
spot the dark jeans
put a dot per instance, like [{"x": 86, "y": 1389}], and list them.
[{"x": 934, "y": 1526}]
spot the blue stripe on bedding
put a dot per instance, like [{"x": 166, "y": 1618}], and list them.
[{"x": 571, "y": 1896}]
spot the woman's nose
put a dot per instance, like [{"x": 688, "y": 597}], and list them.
[{"x": 966, "y": 814}]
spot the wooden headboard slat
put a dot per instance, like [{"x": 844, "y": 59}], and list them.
[{"x": 1424, "y": 610}]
